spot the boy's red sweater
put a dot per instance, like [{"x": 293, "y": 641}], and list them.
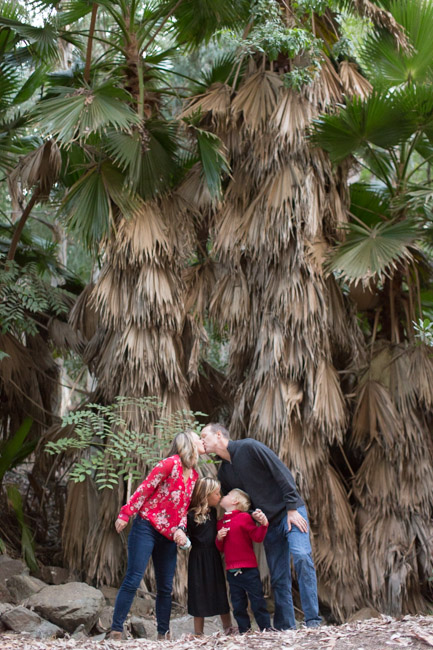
[{"x": 237, "y": 545}]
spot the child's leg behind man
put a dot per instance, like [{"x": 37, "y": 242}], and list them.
[{"x": 244, "y": 584}]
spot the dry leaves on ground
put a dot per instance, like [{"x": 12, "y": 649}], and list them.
[{"x": 385, "y": 633}]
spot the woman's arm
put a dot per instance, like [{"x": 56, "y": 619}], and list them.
[{"x": 158, "y": 474}]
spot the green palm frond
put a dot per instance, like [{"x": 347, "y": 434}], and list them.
[
  {"x": 148, "y": 158},
  {"x": 197, "y": 21},
  {"x": 213, "y": 160},
  {"x": 74, "y": 115},
  {"x": 416, "y": 103},
  {"x": 369, "y": 203},
  {"x": 42, "y": 41},
  {"x": 222, "y": 70},
  {"x": 369, "y": 252},
  {"x": 89, "y": 207},
  {"x": 376, "y": 120},
  {"x": 389, "y": 65}
]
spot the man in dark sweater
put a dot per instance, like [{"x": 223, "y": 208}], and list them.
[{"x": 250, "y": 465}]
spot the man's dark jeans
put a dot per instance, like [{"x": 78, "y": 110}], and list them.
[
  {"x": 145, "y": 541},
  {"x": 280, "y": 544},
  {"x": 244, "y": 584}
]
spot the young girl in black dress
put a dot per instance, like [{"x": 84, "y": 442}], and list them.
[{"x": 207, "y": 592}]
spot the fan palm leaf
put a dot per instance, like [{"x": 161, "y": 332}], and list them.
[
  {"x": 369, "y": 252},
  {"x": 389, "y": 65},
  {"x": 377, "y": 120},
  {"x": 74, "y": 114}
]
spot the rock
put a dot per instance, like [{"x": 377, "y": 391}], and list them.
[
  {"x": 10, "y": 567},
  {"x": 4, "y": 607},
  {"x": 144, "y": 628},
  {"x": 364, "y": 614},
  {"x": 142, "y": 606},
  {"x": 20, "y": 619},
  {"x": 138, "y": 627},
  {"x": 69, "y": 605},
  {"x": 80, "y": 633},
  {"x": 103, "y": 623},
  {"x": 110, "y": 594},
  {"x": 5, "y": 596},
  {"x": 21, "y": 587},
  {"x": 54, "y": 575}
]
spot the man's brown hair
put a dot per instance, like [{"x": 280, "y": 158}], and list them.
[{"x": 216, "y": 426}]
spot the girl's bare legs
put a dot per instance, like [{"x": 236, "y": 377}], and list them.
[
  {"x": 226, "y": 620},
  {"x": 198, "y": 625}
]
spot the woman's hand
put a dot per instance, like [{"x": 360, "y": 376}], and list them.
[
  {"x": 222, "y": 533},
  {"x": 120, "y": 525},
  {"x": 179, "y": 537}
]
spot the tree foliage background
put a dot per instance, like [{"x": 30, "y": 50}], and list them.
[{"x": 226, "y": 207}]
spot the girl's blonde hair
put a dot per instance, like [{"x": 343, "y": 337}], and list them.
[
  {"x": 184, "y": 446},
  {"x": 199, "y": 505}
]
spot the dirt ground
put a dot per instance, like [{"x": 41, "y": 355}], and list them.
[{"x": 385, "y": 633}]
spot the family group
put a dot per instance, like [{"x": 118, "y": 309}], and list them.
[{"x": 174, "y": 508}]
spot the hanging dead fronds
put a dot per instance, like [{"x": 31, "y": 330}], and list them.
[
  {"x": 353, "y": 82},
  {"x": 375, "y": 417}
]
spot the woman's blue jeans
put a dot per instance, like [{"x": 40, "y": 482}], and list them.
[
  {"x": 145, "y": 541},
  {"x": 280, "y": 544}
]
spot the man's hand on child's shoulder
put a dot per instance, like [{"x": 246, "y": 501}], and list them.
[{"x": 259, "y": 516}]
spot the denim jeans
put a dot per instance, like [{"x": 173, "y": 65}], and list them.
[
  {"x": 145, "y": 541},
  {"x": 280, "y": 544},
  {"x": 244, "y": 585}
]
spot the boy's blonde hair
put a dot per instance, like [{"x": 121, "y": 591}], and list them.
[
  {"x": 244, "y": 501},
  {"x": 199, "y": 505}
]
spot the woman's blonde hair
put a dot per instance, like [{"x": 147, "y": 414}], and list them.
[
  {"x": 199, "y": 505},
  {"x": 184, "y": 446}
]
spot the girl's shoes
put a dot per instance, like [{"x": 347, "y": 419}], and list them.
[{"x": 229, "y": 631}]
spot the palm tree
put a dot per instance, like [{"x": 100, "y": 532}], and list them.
[
  {"x": 296, "y": 346},
  {"x": 125, "y": 156},
  {"x": 385, "y": 259}
]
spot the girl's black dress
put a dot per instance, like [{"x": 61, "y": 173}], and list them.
[{"x": 207, "y": 592}]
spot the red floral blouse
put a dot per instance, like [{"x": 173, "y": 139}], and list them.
[{"x": 163, "y": 498}]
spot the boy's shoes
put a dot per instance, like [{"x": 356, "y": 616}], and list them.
[
  {"x": 115, "y": 635},
  {"x": 164, "y": 637},
  {"x": 229, "y": 631}
]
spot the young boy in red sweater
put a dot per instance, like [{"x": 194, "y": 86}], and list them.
[{"x": 237, "y": 531}]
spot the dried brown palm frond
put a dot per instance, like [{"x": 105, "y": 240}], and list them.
[
  {"x": 104, "y": 546},
  {"x": 376, "y": 417},
  {"x": 64, "y": 336},
  {"x": 216, "y": 101},
  {"x": 81, "y": 511},
  {"x": 421, "y": 374},
  {"x": 39, "y": 168},
  {"x": 384, "y": 19},
  {"x": 194, "y": 192},
  {"x": 335, "y": 548},
  {"x": 353, "y": 82},
  {"x": 83, "y": 317},
  {"x": 141, "y": 238},
  {"x": 291, "y": 116},
  {"x": 231, "y": 302},
  {"x": 275, "y": 401},
  {"x": 257, "y": 99},
  {"x": 326, "y": 90},
  {"x": 329, "y": 411},
  {"x": 388, "y": 550},
  {"x": 376, "y": 481}
]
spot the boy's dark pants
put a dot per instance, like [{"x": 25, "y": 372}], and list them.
[{"x": 244, "y": 584}]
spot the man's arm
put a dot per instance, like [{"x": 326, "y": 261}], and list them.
[{"x": 280, "y": 473}]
